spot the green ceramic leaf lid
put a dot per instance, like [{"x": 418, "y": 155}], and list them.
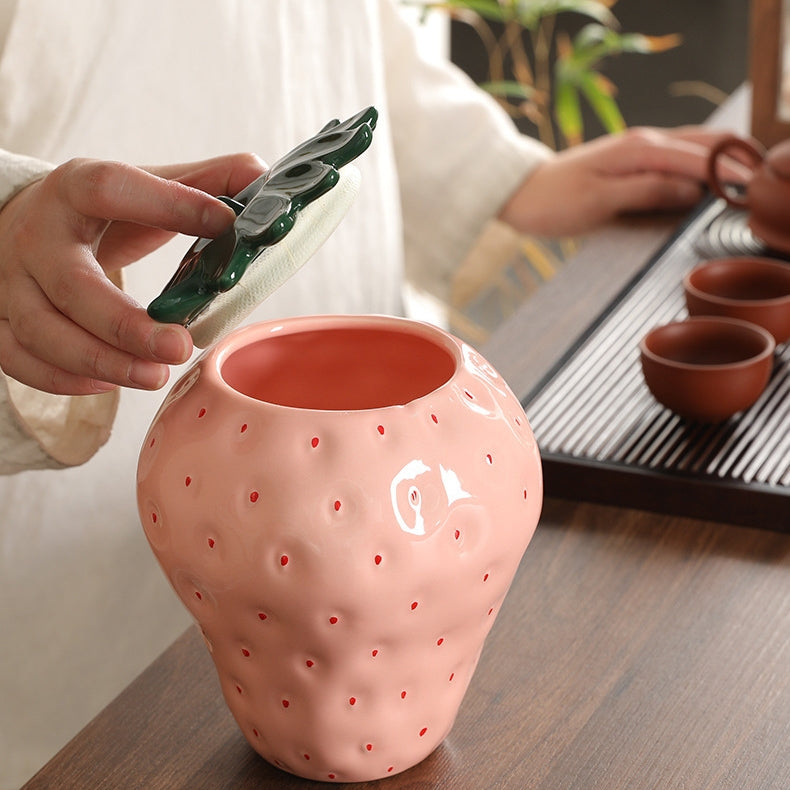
[{"x": 281, "y": 219}]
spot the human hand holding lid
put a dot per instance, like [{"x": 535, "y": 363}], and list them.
[
  {"x": 282, "y": 218},
  {"x": 66, "y": 325}
]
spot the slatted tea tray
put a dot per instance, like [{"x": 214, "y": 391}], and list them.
[{"x": 603, "y": 437}]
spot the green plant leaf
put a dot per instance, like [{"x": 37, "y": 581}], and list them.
[
  {"x": 530, "y": 12},
  {"x": 568, "y": 112},
  {"x": 611, "y": 42},
  {"x": 527, "y": 12},
  {"x": 594, "y": 42},
  {"x": 491, "y": 10},
  {"x": 598, "y": 92},
  {"x": 592, "y": 36},
  {"x": 571, "y": 80},
  {"x": 639, "y": 43}
]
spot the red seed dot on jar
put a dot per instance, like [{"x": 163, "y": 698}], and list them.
[
  {"x": 187, "y": 481},
  {"x": 333, "y": 620},
  {"x": 377, "y": 559},
  {"x": 309, "y": 663},
  {"x": 286, "y": 703},
  {"x": 238, "y": 688},
  {"x": 154, "y": 518},
  {"x": 369, "y": 747},
  {"x": 262, "y": 616},
  {"x": 211, "y": 543},
  {"x": 254, "y": 496},
  {"x": 245, "y": 652},
  {"x": 403, "y": 695},
  {"x": 198, "y": 595},
  {"x": 457, "y": 534},
  {"x": 485, "y": 578},
  {"x": 255, "y": 732},
  {"x": 380, "y": 429},
  {"x": 435, "y": 419},
  {"x": 489, "y": 459},
  {"x": 284, "y": 560},
  {"x": 314, "y": 442},
  {"x": 331, "y": 776},
  {"x": 352, "y": 701},
  {"x": 306, "y": 756},
  {"x": 374, "y": 653},
  {"x": 337, "y": 505},
  {"x": 414, "y": 605},
  {"x": 423, "y": 731},
  {"x": 243, "y": 428},
  {"x": 201, "y": 413},
  {"x": 440, "y": 641},
  {"x": 390, "y": 769},
  {"x": 452, "y": 675}
]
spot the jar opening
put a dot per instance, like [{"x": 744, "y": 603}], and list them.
[{"x": 338, "y": 369}]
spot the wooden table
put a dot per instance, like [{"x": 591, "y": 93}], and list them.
[{"x": 633, "y": 651}]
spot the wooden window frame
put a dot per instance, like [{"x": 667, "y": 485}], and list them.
[{"x": 765, "y": 69}]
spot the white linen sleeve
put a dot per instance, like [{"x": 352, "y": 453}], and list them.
[
  {"x": 17, "y": 171},
  {"x": 459, "y": 155},
  {"x": 39, "y": 430}
]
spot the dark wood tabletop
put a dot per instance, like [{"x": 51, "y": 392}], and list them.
[{"x": 634, "y": 650}]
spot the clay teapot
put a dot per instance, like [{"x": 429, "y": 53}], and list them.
[{"x": 767, "y": 196}]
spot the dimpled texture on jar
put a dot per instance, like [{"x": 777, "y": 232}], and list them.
[{"x": 344, "y": 564}]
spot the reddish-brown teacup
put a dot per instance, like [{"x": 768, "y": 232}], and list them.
[
  {"x": 752, "y": 289},
  {"x": 707, "y": 368}
]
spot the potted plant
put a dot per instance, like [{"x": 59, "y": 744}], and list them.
[{"x": 541, "y": 72}]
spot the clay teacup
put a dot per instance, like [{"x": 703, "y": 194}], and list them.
[
  {"x": 767, "y": 197},
  {"x": 707, "y": 368},
  {"x": 752, "y": 289}
]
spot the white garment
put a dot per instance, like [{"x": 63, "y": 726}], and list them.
[{"x": 83, "y": 606}]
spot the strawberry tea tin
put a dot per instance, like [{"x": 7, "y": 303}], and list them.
[{"x": 341, "y": 502}]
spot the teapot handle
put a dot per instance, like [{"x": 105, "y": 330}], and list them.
[{"x": 717, "y": 187}]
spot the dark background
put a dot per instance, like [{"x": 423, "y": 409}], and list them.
[{"x": 714, "y": 51}]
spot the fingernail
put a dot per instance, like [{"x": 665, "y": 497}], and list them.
[
  {"x": 169, "y": 344},
  {"x": 102, "y": 386},
  {"x": 217, "y": 218},
  {"x": 148, "y": 375}
]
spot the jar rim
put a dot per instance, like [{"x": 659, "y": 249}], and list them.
[{"x": 336, "y": 362}]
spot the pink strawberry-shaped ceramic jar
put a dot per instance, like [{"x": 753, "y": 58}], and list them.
[{"x": 341, "y": 503}]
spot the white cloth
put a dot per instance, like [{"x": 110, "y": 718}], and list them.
[{"x": 83, "y": 606}]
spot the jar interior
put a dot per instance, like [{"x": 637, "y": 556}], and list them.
[{"x": 339, "y": 368}]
